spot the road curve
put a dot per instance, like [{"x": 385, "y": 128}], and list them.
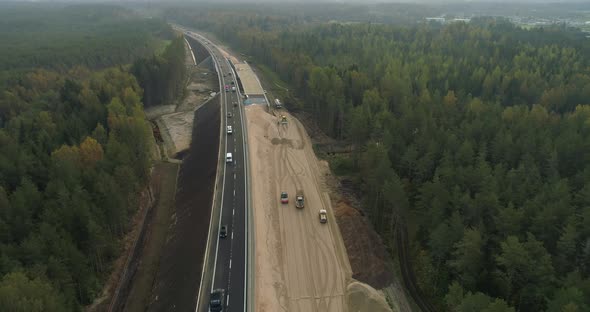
[{"x": 228, "y": 255}]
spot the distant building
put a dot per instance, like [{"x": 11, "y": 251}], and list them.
[
  {"x": 436, "y": 19},
  {"x": 456, "y": 20}
]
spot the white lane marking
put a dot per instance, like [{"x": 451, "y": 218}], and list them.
[
  {"x": 227, "y": 302},
  {"x": 222, "y": 97},
  {"x": 233, "y": 212},
  {"x": 222, "y": 192},
  {"x": 230, "y": 263},
  {"x": 232, "y": 235},
  {"x": 234, "y": 176},
  {"x": 234, "y": 192}
]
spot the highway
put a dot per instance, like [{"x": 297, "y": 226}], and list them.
[{"x": 228, "y": 254}]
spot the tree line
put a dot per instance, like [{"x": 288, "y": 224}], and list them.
[
  {"x": 74, "y": 147},
  {"x": 58, "y": 36},
  {"x": 162, "y": 77},
  {"x": 74, "y": 152},
  {"x": 476, "y": 136}
]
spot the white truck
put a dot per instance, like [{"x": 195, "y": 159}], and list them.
[
  {"x": 278, "y": 103},
  {"x": 299, "y": 200},
  {"x": 323, "y": 216}
]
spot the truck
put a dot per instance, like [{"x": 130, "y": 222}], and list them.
[
  {"x": 299, "y": 200},
  {"x": 323, "y": 216},
  {"x": 278, "y": 103}
]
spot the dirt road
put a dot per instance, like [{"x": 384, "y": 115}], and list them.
[{"x": 301, "y": 265}]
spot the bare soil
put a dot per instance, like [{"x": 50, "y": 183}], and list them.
[
  {"x": 179, "y": 271},
  {"x": 175, "y": 121},
  {"x": 155, "y": 238},
  {"x": 301, "y": 264},
  {"x": 362, "y": 297}
]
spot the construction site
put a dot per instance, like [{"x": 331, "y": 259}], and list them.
[{"x": 301, "y": 259}]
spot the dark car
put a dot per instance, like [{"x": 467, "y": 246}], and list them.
[
  {"x": 229, "y": 115},
  {"x": 216, "y": 300},
  {"x": 223, "y": 231}
]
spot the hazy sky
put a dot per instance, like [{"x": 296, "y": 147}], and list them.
[{"x": 314, "y": 1}]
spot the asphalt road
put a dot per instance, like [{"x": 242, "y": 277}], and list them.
[{"x": 229, "y": 270}]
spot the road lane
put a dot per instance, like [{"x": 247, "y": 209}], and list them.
[{"x": 230, "y": 252}]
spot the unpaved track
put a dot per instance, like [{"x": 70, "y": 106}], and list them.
[{"x": 301, "y": 265}]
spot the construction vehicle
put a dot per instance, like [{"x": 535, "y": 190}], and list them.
[
  {"x": 323, "y": 216},
  {"x": 283, "y": 119},
  {"x": 278, "y": 103},
  {"x": 299, "y": 200}
]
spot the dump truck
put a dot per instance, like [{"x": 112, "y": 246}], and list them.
[
  {"x": 299, "y": 200},
  {"x": 323, "y": 216},
  {"x": 283, "y": 119}
]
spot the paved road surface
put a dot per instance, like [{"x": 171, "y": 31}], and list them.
[{"x": 229, "y": 270}]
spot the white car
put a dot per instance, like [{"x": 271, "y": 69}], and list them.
[
  {"x": 229, "y": 158},
  {"x": 323, "y": 216},
  {"x": 229, "y": 130}
]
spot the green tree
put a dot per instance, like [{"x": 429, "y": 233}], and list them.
[
  {"x": 19, "y": 293},
  {"x": 468, "y": 260}
]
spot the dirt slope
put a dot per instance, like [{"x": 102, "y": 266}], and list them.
[
  {"x": 364, "y": 298},
  {"x": 301, "y": 265}
]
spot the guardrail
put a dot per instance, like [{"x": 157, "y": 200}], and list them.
[{"x": 249, "y": 243}]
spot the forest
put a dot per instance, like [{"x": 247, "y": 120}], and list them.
[
  {"x": 74, "y": 148},
  {"x": 59, "y": 36},
  {"x": 162, "y": 77},
  {"x": 475, "y": 136}
]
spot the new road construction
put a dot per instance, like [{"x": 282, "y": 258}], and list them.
[
  {"x": 224, "y": 279},
  {"x": 265, "y": 251},
  {"x": 301, "y": 264}
]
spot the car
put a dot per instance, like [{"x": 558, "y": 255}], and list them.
[
  {"x": 284, "y": 198},
  {"x": 216, "y": 300},
  {"x": 229, "y": 158},
  {"x": 323, "y": 216},
  {"x": 229, "y": 115},
  {"x": 226, "y": 88},
  {"x": 223, "y": 231},
  {"x": 233, "y": 89},
  {"x": 229, "y": 130}
]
